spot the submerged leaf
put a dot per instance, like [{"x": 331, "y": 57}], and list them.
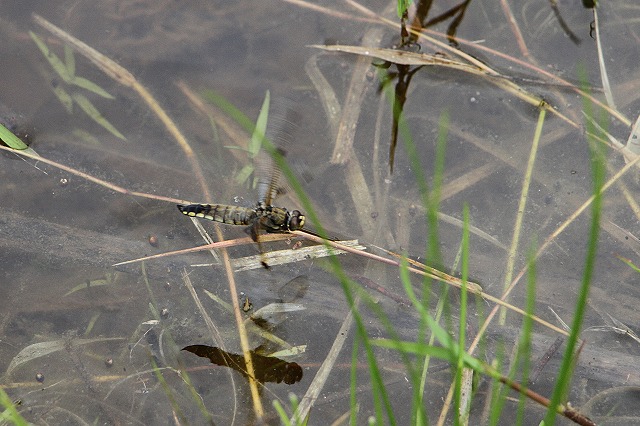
[
  {"x": 41, "y": 349},
  {"x": 70, "y": 60},
  {"x": 88, "y": 107},
  {"x": 244, "y": 174},
  {"x": 85, "y": 136},
  {"x": 56, "y": 63},
  {"x": 64, "y": 97},
  {"x": 91, "y": 86},
  {"x": 108, "y": 280},
  {"x": 291, "y": 352}
]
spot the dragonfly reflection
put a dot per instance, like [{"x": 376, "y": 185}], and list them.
[{"x": 264, "y": 216}]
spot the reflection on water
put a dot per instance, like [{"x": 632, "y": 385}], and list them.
[{"x": 61, "y": 233}]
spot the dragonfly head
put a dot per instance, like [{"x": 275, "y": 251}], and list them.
[{"x": 295, "y": 220}]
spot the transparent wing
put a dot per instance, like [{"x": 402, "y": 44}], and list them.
[{"x": 282, "y": 124}]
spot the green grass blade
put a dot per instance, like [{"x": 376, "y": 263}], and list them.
[
  {"x": 87, "y": 106},
  {"x": 10, "y": 413},
  {"x": 412, "y": 374},
  {"x": 11, "y": 140},
  {"x": 629, "y": 263},
  {"x": 64, "y": 97},
  {"x": 523, "y": 356},
  {"x": 403, "y": 6},
  {"x": 168, "y": 392},
  {"x": 91, "y": 86},
  {"x": 445, "y": 353},
  {"x": 261, "y": 127},
  {"x": 257, "y": 139},
  {"x": 282, "y": 413},
  {"x": 69, "y": 60},
  {"x": 463, "y": 315},
  {"x": 353, "y": 388},
  {"x": 522, "y": 204},
  {"x": 498, "y": 392},
  {"x": 598, "y": 171},
  {"x": 58, "y": 66}
]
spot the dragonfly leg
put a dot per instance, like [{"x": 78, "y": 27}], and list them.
[{"x": 254, "y": 231}]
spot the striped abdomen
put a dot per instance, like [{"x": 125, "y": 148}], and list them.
[{"x": 231, "y": 215}]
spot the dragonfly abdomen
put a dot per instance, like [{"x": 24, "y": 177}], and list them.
[{"x": 231, "y": 215}]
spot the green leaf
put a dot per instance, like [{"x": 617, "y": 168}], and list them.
[
  {"x": 86, "y": 137},
  {"x": 292, "y": 352},
  {"x": 244, "y": 174},
  {"x": 11, "y": 140},
  {"x": 424, "y": 349},
  {"x": 70, "y": 60},
  {"x": 59, "y": 67},
  {"x": 108, "y": 280},
  {"x": 64, "y": 97},
  {"x": 86, "y": 105},
  {"x": 91, "y": 86},
  {"x": 261, "y": 127},
  {"x": 629, "y": 263},
  {"x": 10, "y": 414},
  {"x": 403, "y": 5}
]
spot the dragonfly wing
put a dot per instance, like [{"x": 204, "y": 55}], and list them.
[
  {"x": 268, "y": 177},
  {"x": 283, "y": 119}
]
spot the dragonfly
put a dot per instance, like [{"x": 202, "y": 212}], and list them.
[{"x": 264, "y": 216}]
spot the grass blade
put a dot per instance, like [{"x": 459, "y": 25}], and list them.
[
  {"x": 11, "y": 140},
  {"x": 87, "y": 106}
]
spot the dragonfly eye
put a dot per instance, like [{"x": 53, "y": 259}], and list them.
[{"x": 296, "y": 220}]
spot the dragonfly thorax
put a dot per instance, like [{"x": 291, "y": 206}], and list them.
[{"x": 278, "y": 219}]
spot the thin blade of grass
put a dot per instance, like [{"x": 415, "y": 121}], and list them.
[
  {"x": 64, "y": 97},
  {"x": 462, "y": 324},
  {"x": 10, "y": 414},
  {"x": 598, "y": 170},
  {"x": 523, "y": 357},
  {"x": 69, "y": 60},
  {"x": 255, "y": 143},
  {"x": 56, "y": 63},
  {"x": 91, "y": 86},
  {"x": 522, "y": 203},
  {"x": 87, "y": 106}
]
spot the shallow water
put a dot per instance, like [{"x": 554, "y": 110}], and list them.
[{"x": 62, "y": 233}]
